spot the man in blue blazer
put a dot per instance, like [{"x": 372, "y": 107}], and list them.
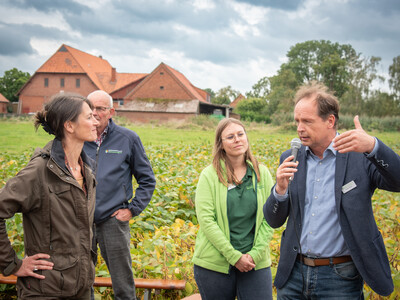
[{"x": 331, "y": 244}]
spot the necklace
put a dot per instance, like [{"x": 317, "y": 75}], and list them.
[{"x": 71, "y": 168}]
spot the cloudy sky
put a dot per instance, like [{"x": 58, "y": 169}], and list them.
[{"x": 214, "y": 43}]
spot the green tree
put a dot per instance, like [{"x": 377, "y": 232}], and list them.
[
  {"x": 362, "y": 72},
  {"x": 381, "y": 104},
  {"x": 322, "y": 60},
  {"x": 11, "y": 83},
  {"x": 253, "y": 109},
  {"x": 260, "y": 90},
  {"x": 394, "y": 76},
  {"x": 283, "y": 89},
  {"x": 225, "y": 95}
]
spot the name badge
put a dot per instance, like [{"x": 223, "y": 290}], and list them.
[{"x": 348, "y": 187}]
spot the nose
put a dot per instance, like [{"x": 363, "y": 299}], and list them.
[
  {"x": 299, "y": 127},
  {"x": 95, "y": 122},
  {"x": 236, "y": 138}
]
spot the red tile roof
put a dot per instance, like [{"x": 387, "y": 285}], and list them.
[
  {"x": 192, "y": 91},
  {"x": 3, "y": 99},
  {"x": 99, "y": 70},
  {"x": 237, "y": 100}
]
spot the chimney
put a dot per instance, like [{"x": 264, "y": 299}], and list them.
[{"x": 113, "y": 75}]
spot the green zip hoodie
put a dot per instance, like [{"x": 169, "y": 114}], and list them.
[{"x": 213, "y": 249}]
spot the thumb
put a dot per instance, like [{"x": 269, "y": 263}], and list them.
[{"x": 357, "y": 123}]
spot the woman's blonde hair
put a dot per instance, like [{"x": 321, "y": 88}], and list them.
[{"x": 219, "y": 155}]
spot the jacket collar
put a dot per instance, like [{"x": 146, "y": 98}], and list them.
[{"x": 55, "y": 151}]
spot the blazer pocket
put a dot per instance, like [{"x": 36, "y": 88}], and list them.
[{"x": 381, "y": 256}]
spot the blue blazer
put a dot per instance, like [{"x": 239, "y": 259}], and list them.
[{"x": 354, "y": 209}]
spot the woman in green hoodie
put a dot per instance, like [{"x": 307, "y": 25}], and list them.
[{"x": 231, "y": 257}]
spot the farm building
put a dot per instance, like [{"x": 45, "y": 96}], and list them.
[
  {"x": 164, "y": 94},
  {"x": 3, "y": 104}
]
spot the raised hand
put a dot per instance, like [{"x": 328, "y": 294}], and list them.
[{"x": 356, "y": 140}]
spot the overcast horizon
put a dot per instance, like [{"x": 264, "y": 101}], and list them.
[{"x": 213, "y": 43}]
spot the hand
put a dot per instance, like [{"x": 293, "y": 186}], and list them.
[
  {"x": 284, "y": 172},
  {"x": 245, "y": 263},
  {"x": 123, "y": 214},
  {"x": 31, "y": 264},
  {"x": 356, "y": 140}
]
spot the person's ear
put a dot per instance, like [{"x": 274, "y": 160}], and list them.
[
  {"x": 331, "y": 121},
  {"x": 69, "y": 126},
  {"x": 112, "y": 111}
]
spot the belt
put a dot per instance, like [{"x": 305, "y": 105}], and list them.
[{"x": 315, "y": 262}]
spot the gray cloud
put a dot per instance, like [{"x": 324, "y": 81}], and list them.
[
  {"x": 276, "y": 4},
  {"x": 15, "y": 38},
  {"x": 47, "y": 6},
  {"x": 199, "y": 32}
]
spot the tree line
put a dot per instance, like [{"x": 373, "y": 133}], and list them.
[{"x": 344, "y": 71}]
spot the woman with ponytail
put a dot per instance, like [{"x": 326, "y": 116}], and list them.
[{"x": 55, "y": 193}]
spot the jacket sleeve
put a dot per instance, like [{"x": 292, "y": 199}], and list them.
[
  {"x": 275, "y": 211},
  {"x": 265, "y": 232},
  {"x": 207, "y": 217},
  {"x": 386, "y": 171},
  {"x": 143, "y": 173},
  {"x": 20, "y": 194}
]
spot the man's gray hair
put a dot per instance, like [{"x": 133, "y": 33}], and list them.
[{"x": 101, "y": 93}]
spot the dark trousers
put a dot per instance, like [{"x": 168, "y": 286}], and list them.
[{"x": 251, "y": 285}]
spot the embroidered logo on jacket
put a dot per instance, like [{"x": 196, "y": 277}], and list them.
[{"x": 113, "y": 151}]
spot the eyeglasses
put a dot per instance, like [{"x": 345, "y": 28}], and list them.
[
  {"x": 231, "y": 138},
  {"x": 100, "y": 108}
]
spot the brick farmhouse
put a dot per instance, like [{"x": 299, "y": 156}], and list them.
[{"x": 164, "y": 94}]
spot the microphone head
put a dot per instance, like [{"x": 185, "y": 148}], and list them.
[{"x": 295, "y": 143}]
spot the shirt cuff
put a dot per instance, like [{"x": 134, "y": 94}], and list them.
[
  {"x": 373, "y": 152},
  {"x": 278, "y": 197}
]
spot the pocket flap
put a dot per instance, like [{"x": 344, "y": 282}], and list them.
[{"x": 59, "y": 188}]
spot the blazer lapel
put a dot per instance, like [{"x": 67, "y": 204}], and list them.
[
  {"x": 340, "y": 172},
  {"x": 300, "y": 180}
]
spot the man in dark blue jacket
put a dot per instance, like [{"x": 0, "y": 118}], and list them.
[
  {"x": 119, "y": 154},
  {"x": 331, "y": 243}
]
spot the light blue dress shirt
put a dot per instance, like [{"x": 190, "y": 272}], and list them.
[{"x": 321, "y": 234}]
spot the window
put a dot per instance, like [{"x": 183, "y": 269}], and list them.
[
  {"x": 62, "y": 82},
  {"x": 78, "y": 83},
  {"x": 161, "y": 73},
  {"x": 161, "y": 87},
  {"x": 46, "y": 82}
]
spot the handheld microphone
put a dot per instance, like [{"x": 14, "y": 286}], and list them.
[{"x": 295, "y": 144}]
